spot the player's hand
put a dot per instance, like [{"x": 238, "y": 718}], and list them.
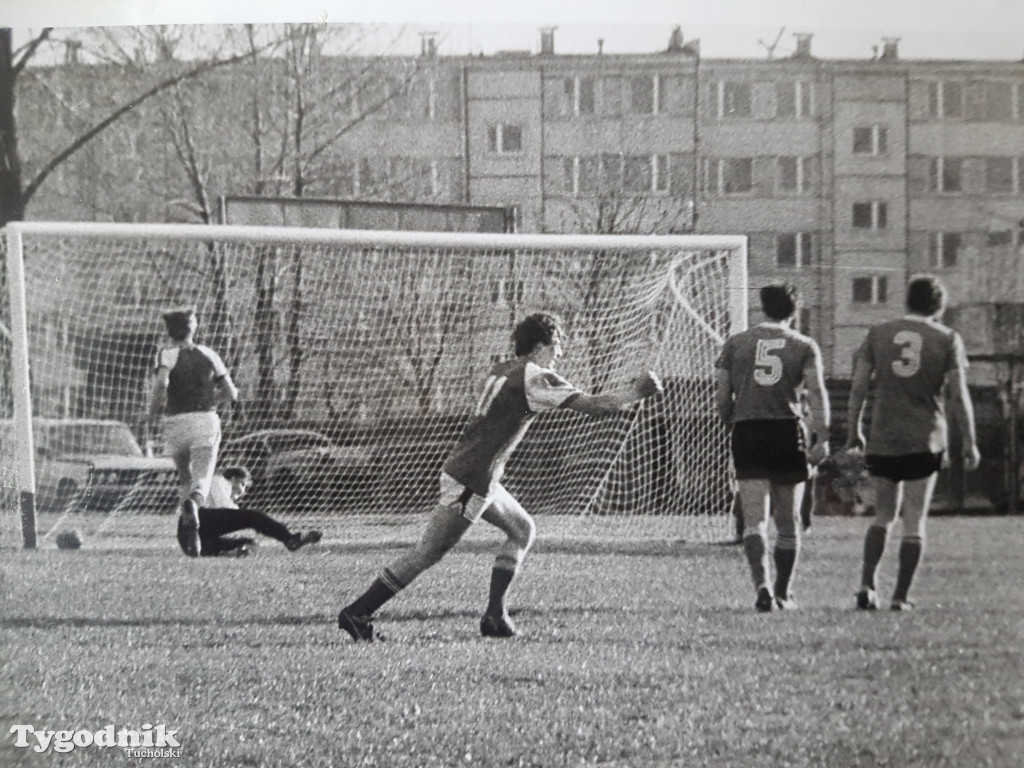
[
  {"x": 972, "y": 457},
  {"x": 647, "y": 385},
  {"x": 818, "y": 453}
]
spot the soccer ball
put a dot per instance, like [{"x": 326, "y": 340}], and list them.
[
  {"x": 847, "y": 470},
  {"x": 69, "y": 539}
]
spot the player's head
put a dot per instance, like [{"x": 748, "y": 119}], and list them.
[
  {"x": 926, "y": 295},
  {"x": 537, "y": 329},
  {"x": 240, "y": 480},
  {"x": 181, "y": 323},
  {"x": 778, "y": 301}
]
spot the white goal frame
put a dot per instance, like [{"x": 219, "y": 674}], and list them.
[{"x": 16, "y": 232}]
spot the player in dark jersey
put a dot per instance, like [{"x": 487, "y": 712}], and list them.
[
  {"x": 189, "y": 382},
  {"x": 766, "y": 378},
  {"x": 514, "y": 394},
  {"x": 915, "y": 362}
]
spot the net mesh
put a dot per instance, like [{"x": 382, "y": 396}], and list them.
[{"x": 358, "y": 363}]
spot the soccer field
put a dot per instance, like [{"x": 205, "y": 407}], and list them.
[{"x": 626, "y": 658}]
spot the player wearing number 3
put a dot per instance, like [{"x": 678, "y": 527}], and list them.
[
  {"x": 514, "y": 394},
  {"x": 762, "y": 375},
  {"x": 912, "y": 361}
]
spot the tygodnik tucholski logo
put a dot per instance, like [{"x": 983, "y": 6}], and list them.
[{"x": 148, "y": 741}]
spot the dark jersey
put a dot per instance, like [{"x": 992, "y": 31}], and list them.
[
  {"x": 192, "y": 377},
  {"x": 514, "y": 394},
  {"x": 910, "y": 358},
  {"x": 766, "y": 369}
]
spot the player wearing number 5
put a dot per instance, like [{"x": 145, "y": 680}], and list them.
[
  {"x": 913, "y": 361},
  {"x": 513, "y": 395},
  {"x": 762, "y": 376}
]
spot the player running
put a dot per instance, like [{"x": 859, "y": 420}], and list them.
[
  {"x": 763, "y": 377},
  {"x": 189, "y": 382},
  {"x": 911, "y": 360},
  {"x": 514, "y": 394}
]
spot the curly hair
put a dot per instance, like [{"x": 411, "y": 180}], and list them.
[
  {"x": 926, "y": 295},
  {"x": 538, "y": 328},
  {"x": 778, "y": 301}
]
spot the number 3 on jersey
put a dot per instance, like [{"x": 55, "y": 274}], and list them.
[
  {"x": 768, "y": 366},
  {"x": 910, "y": 353}
]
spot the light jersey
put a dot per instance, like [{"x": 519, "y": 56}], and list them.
[
  {"x": 515, "y": 393},
  {"x": 220, "y": 494},
  {"x": 910, "y": 358},
  {"x": 193, "y": 375},
  {"x": 766, "y": 368}
]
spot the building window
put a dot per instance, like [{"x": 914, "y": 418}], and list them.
[
  {"x": 579, "y": 91},
  {"x": 999, "y": 238},
  {"x": 794, "y": 99},
  {"x": 505, "y": 139},
  {"x": 1003, "y": 175},
  {"x": 646, "y": 95},
  {"x": 637, "y": 174},
  {"x": 870, "y": 290},
  {"x": 945, "y": 174},
  {"x": 998, "y": 101},
  {"x": 631, "y": 174},
  {"x": 945, "y": 99},
  {"x": 943, "y": 248},
  {"x": 872, "y": 215},
  {"x": 734, "y": 99},
  {"x": 803, "y": 320},
  {"x": 793, "y": 249},
  {"x": 871, "y": 140},
  {"x": 730, "y": 176},
  {"x": 794, "y": 175}
]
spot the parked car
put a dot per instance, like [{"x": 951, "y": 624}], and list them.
[
  {"x": 300, "y": 469},
  {"x": 94, "y": 464}
]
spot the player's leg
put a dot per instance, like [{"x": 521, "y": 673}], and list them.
[
  {"x": 520, "y": 531},
  {"x": 882, "y": 498},
  {"x": 446, "y": 526},
  {"x": 754, "y": 498},
  {"x": 917, "y": 497},
  {"x": 786, "y": 505},
  {"x": 178, "y": 440}
]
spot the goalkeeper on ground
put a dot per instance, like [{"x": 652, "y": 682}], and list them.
[
  {"x": 762, "y": 375},
  {"x": 516, "y": 391}
]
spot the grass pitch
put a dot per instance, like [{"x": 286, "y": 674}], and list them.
[{"x": 626, "y": 658}]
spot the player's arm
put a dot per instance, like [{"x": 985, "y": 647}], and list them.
[
  {"x": 962, "y": 408},
  {"x": 818, "y": 405},
  {"x": 158, "y": 390},
  {"x": 642, "y": 387},
  {"x": 859, "y": 384},
  {"x": 225, "y": 390},
  {"x": 723, "y": 394}
]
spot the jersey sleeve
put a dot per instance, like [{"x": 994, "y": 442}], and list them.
[
  {"x": 546, "y": 390},
  {"x": 165, "y": 359},
  {"x": 219, "y": 369}
]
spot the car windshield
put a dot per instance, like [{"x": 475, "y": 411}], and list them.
[{"x": 76, "y": 439}]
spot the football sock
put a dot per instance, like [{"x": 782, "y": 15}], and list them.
[
  {"x": 501, "y": 578},
  {"x": 911, "y": 549},
  {"x": 757, "y": 556},
  {"x": 874, "y": 546},
  {"x": 785, "y": 562},
  {"x": 383, "y": 588}
]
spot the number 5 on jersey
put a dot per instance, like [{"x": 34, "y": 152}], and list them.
[{"x": 767, "y": 365}]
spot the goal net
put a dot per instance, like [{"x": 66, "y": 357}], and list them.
[{"x": 359, "y": 356}]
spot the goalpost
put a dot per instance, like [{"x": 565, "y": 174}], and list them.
[{"x": 358, "y": 355}]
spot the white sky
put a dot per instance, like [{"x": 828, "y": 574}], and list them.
[{"x": 946, "y": 29}]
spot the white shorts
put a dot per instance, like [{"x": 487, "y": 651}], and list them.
[
  {"x": 192, "y": 440},
  {"x": 453, "y": 492}
]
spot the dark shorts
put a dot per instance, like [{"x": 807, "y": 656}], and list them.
[
  {"x": 908, "y": 466},
  {"x": 770, "y": 449}
]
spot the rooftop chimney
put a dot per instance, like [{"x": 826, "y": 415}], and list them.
[
  {"x": 71, "y": 48},
  {"x": 803, "y": 45},
  {"x": 890, "y": 48},
  {"x": 675, "y": 41},
  {"x": 428, "y": 45},
  {"x": 547, "y": 40}
]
